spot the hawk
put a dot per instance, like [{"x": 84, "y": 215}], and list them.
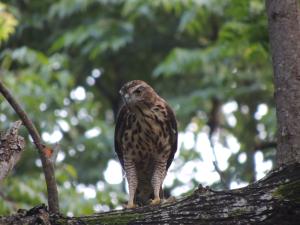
[{"x": 145, "y": 141}]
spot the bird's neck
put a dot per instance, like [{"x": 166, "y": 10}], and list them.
[{"x": 142, "y": 109}]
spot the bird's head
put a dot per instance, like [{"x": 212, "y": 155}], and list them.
[{"x": 137, "y": 92}]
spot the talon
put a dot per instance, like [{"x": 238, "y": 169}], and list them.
[
  {"x": 155, "y": 201},
  {"x": 130, "y": 206}
]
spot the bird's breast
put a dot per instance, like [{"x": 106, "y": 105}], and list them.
[{"x": 145, "y": 140}]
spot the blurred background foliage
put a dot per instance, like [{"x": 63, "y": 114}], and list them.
[{"x": 66, "y": 60}]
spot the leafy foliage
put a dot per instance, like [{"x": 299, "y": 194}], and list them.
[
  {"x": 66, "y": 61},
  {"x": 7, "y": 22}
]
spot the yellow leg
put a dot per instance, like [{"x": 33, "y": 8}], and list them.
[
  {"x": 132, "y": 183},
  {"x": 157, "y": 180}
]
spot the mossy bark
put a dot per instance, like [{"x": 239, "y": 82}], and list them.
[{"x": 272, "y": 200}]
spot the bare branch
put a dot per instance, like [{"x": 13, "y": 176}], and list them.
[
  {"x": 48, "y": 168},
  {"x": 265, "y": 145},
  {"x": 214, "y": 124},
  {"x": 222, "y": 175}
]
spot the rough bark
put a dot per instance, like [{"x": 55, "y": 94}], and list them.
[
  {"x": 11, "y": 147},
  {"x": 273, "y": 200},
  {"x": 284, "y": 33}
]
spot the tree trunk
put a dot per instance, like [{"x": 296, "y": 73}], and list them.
[
  {"x": 273, "y": 200},
  {"x": 284, "y": 32}
]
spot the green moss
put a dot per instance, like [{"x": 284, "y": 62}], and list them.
[
  {"x": 237, "y": 212},
  {"x": 289, "y": 191},
  {"x": 121, "y": 219}
]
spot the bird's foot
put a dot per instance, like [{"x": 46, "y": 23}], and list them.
[
  {"x": 130, "y": 206},
  {"x": 155, "y": 201}
]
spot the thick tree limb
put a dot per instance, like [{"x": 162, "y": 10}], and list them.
[
  {"x": 273, "y": 200},
  {"x": 48, "y": 168}
]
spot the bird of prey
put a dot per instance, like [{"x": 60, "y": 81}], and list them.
[{"x": 145, "y": 141}]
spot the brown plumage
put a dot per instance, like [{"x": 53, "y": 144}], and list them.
[{"x": 145, "y": 141}]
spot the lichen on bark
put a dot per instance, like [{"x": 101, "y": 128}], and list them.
[
  {"x": 290, "y": 191},
  {"x": 272, "y": 200}
]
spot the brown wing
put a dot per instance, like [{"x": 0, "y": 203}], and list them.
[
  {"x": 172, "y": 126},
  {"x": 119, "y": 130}
]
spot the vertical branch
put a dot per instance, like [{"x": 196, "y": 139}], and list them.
[
  {"x": 214, "y": 123},
  {"x": 48, "y": 168},
  {"x": 222, "y": 175}
]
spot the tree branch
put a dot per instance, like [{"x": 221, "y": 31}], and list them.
[
  {"x": 265, "y": 145},
  {"x": 8, "y": 200},
  {"x": 274, "y": 200},
  {"x": 48, "y": 168},
  {"x": 214, "y": 124}
]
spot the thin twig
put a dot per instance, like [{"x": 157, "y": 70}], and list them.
[
  {"x": 216, "y": 165},
  {"x": 8, "y": 200},
  {"x": 213, "y": 124},
  {"x": 48, "y": 168},
  {"x": 265, "y": 145}
]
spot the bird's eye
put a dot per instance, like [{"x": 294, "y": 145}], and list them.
[{"x": 138, "y": 90}]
